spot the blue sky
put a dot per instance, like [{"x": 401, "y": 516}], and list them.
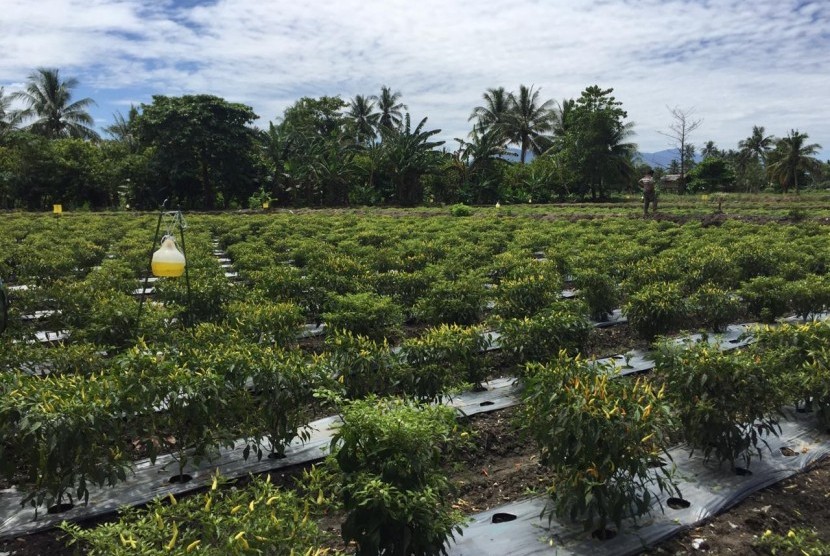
[{"x": 731, "y": 63}]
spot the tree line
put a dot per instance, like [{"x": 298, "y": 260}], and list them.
[{"x": 203, "y": 152}]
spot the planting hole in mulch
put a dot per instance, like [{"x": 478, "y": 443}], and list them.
[
  {"x": 60, "y": 508},
  {"x": 276, "y": 455},
  {"x": 503, "y": 518},
  {"x": 742, "y": 471},
  {"x": 604, "y": 534},
  {"x": 677, "y": 503},
  {"x": 484, "y": 404},
  {"x": 789, "y": 452},
  {"x": 180, "y": 479}
]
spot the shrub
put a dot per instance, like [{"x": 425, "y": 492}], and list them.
[
  {"x": 403, "y": 287},
  {"x": 264, "y": 321},
  {"x": 714, "y": 307},
  {"x": 284, "y": 384},
  {"x": 109, "y": 319},
  {"x": 62, "y": 433},
  {"x": 461, "y": 210},
  {"x": 710, "y": 265},
  {"x": 756, "y": 259},
  {"x": 526, "y": 295},
  {"x": 599, "y": 437},
  {"x": 541, "y": 337},
  {"x": 766, "y": 297},
  {"x": 656, "y": 309},
  {"x": 459, "y": 301},
  {"x": 599, "y": 291},
  {"x": 367, "y": 314},
  {"x": 444, "y": 357},
  {"x": 800, "y": 353},
  {"x": 651, "y": 272},
  {"x": 198, "y": 405},
  {"x": 362, "y": 365},
  {"x": 509, "y": 264},
  {"x": 396, "y": 497},
  {"x": 259, "y": 518},
  {"x": 209, "y": 293},
  {"x": 725, "y": 401},
  {"x": 278, "y": 283},
  {"x": 809, "y": 296},
  {"x": 66, "y": 358}
]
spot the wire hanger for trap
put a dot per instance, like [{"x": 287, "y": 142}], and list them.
[{"x": 173, "y": 219}]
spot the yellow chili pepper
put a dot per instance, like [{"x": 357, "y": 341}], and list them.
[{"x": 172, "y": 542}]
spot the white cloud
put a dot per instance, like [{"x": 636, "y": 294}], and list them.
[{"x": 737, "y": 63}]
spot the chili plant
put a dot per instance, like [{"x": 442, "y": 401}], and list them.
[
  {"x": 367, "y": 314},
  {"x": 600, "y": 438},
  {"x": 715, "y": 307},
  {"x": 362, "y": 365},
  {"x": 656, "y": 309},
  {"x": 62, "y": 432},
  {"x": 526, "y": 295},
  {"x": 800, "y": 353},
  {"x": 460, "y": 301},
  {"x": 396, "y": 497},
  {"x": 445, "y": 356},
  {"x": 562, "y": 326},
  {"x": 259, "y": 518},
  {"x": 284, "y": 385},
  {"x": 766, "y": 297},
  {"x": 725, "y": 402},
  {"x": 266, "y": 322},
  {"x": 599, "y": 291},
  {"x": 184, "y": 408}
]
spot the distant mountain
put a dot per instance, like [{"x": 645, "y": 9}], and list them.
[
  {"x": 662, "y": 159},
  {"x": 514, "y": 154}
]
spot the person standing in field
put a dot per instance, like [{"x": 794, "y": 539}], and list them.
[{"x": 649, "y": 193}]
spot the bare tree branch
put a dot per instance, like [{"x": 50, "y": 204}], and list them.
[{"x": 679, "y": 130}]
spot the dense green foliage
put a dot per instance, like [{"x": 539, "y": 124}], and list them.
[
  {"x": 598, "y": 436},
  {"x": 230, "y": 365},
  {"x": 394, "y": 493},
  {"x": 257, "y": 519},
  {"x": 725, "y": 402},
  {"x": 202, "y": 151}
]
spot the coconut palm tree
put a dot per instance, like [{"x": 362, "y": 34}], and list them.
[
  {"x": 758, "y": 144},
  {"x": 362, "y": 112},
  {"x": 122, "y": 130},
  {"x": 493, "y": 113},
  {"x": 792, "y": 157},
  {"x": 5, "y": 114},
  {"x": 563, "y": 115},
  {"x": 529, "y": 121},
  {"x": 390, "y": 109},
  {"x": 710, "y": 150},
  {"x": 49, "y": 103},
  {"x": 481, "y": 156}
]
